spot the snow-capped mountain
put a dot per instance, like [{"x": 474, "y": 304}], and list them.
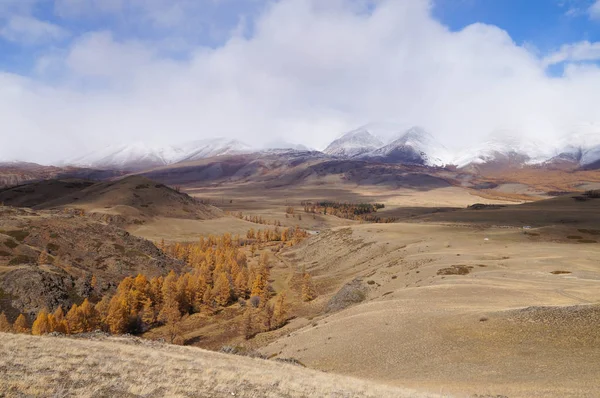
[
  {"x": 139, "y": 155},
  {"x": 202, "y": 149},
  {"x": 582, "y": 146},
  {"x": 414, "y": 146},
  {"x": 506, "y": 149},
  {"x": 354, "y": 143},
  {"x": 132, "y": 156},
  {"x": 285, "y": 145}
]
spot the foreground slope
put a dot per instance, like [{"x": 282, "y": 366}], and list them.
[{"x": 111, "y": 367}]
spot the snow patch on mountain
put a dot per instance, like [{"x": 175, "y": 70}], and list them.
[
  {"x": 415, "y": 145},
  {"x": 505, "y": 147},
  {"x": 202, "y": 149},
  {"x": 140, "y": 155},
  {"x": 354, "y": 143}
]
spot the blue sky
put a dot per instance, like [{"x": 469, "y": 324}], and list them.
[
  {"x": 76, "y": 75},
  {"x": 544, "y": 25}
]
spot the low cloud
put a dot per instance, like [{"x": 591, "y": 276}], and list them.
[{"x": 300, "y": 71}]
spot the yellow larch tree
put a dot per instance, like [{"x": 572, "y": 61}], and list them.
[
  {"x": 21, "y": 325},
  {"x": 41, "y": 325},
  {"x": 5, "y": 326},
  {"x": 90, "y": 318},
  {"x": 74, "y": 320},
  {"x": 171, "y": 317},
  {"x": 118, "y": 315},
  {"x": 222, "y": 290},
  {"x": 280, "y": 311},
  {"x": 308, "y": 290}
]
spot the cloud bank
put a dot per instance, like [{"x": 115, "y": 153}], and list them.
[{"x": 298, "y": 70}]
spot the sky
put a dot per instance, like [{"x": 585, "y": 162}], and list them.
[{"x": 77, "y": 75}]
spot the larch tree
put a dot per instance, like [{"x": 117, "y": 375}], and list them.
[
  {"x": 148, "y": 313},
  {"x": 171, "y": 317},
  {"x": 5, "y": 326},
  {"x": 41, "y": 325},
  {"x": 57, "y": 321},
  {"x": 246, "y": 328},
  {"x": 308, "y": 290},
  {"x": 280, "y": 311},
  {"x": 102, "y": 308},
  {"x": 200, "y": 287},
  {"x": 74, "y": 320},
  {"x": 222, "y": 290},
  {"x": 118, "y": 315},
  {"x": 89, "y": 316},
  {"x": 21, "y": 325}
]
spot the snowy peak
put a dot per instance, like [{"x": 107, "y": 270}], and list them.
[
  {"x": 280, "y": 145},
  {"x": 201, "y": 149},
  {"x": 506, "y": 149},
  {"x": 133, "y": 156},
  {"x": 414, "y": 146},
  {"x": 139, "y": 156},
  {"x": 354, "y": 143}
]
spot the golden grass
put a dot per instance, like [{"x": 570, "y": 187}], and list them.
[{"x": 131, "y": 367}]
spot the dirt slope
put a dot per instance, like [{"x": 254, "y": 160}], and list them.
[{"x": 126, "y": 367}]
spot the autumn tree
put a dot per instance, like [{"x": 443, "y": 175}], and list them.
[
  {"x": 102, "y": 308},
  {"x": 57, "y": 321},
  {"x": 149, "y": 313},
  {"x": 21, "y": 325},
  {"x": 89, "y": 316},
  {"x": 280, "y": 310},
  {"x": 222, "y": 290},
  {"x": 5, "y": 326},
  {"x": 246, "y": 328},
  {"x": 308, "y": 290},
  {"x": 117, "y": 318},
  {"x": 74, "y": 320},
  {"x": 41, "y": 325},
  {"x": 171, "y": 317}
]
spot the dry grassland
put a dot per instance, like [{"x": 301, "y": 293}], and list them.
[{"x": 130, "y": 367}]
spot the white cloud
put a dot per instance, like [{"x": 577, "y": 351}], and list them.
[
  {"x": 310, "y": 70},
  {"x": 29, "y": 30},
  {"x": 576, "y": 52},
  {"x": 594, "y": 10}
]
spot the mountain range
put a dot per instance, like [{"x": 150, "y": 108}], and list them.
[{"x": 372, "y": 143}]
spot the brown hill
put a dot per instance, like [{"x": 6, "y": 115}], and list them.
[
  {"x": 133, "y": 199},
  {"x": 18, "y": 173},
  {"x": 37, "y": 193},
  {"x": 78, "y": 248}
]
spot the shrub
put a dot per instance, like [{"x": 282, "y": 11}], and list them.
[
  {"x": 10, "y": 243},
  {"x": 19, "y": 235},
  {"x": 21, "y": 259}
]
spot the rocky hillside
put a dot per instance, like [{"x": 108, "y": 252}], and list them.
[{"x": 49, "y": 258}]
